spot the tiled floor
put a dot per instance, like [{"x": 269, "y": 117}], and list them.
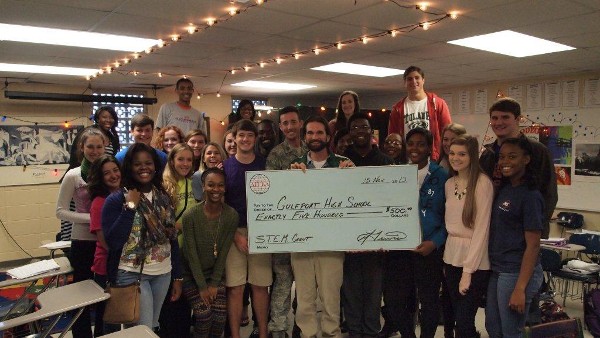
[{"x": 574, "y": 308}]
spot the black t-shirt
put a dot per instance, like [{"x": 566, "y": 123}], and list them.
[{"x": 374, "y": 158}]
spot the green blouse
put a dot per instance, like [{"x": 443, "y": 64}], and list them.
[{"x": 199, "y": 238}]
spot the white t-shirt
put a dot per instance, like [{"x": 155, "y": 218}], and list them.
[
  {"x": 172, "y": 114},
  {"x": 415, "y": 115},
  {"x": 421, "y": 174}
]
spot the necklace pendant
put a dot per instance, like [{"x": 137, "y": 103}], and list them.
[{"x": 215, "y": 250}]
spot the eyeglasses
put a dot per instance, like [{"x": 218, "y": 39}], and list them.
[
  {"x": 395, "y": 143},
  {"x": 363, "y": 127}
]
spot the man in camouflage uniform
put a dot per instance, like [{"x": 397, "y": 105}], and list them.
[{"x": 279, "y": 159}]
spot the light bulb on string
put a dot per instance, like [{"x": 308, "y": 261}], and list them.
[
  {"x": 296, "y": 56},
  {"x": 259, "y": 2},
  {"x": 175, "y": 37},
  {"x": 338, "y": 45},
  {"x": 425, "y": 25},
  {"x": 246, "y": 68},
  {"x": 453, "y": 15},
  {"x": 261, "y": 64},
  {"x": 232, "y": 71},
  {"x": 161, "y": 43},
  {"x": 66, "y": 124},
  {"x": 393, "y": 33},
  {"x": 317, "y": 51},
  {"x": 278, "y": 60},
  {"x": 211, "y": 21},
  {"x": 191, "y": 29},
  {"x": 222, "y": 123},
  {"x": 233, "y": 11},
  {"x": 218, "y": 94},
  {"x": 365, "y": 40},
  {"x": 126, "y": 61},
  {"x": 159, "y": 74}
]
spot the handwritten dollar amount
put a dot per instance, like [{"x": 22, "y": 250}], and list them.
[
  {"x": 382, "y": 180},
  {"x": 398, "y": 211}
]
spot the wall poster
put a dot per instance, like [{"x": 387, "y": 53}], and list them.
[{"x": 35, "y": 154}]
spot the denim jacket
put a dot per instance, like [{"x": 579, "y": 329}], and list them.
[{"x": 432, "y": 205}]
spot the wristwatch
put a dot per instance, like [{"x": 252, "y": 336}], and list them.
[{"x": 130, "y": 205}]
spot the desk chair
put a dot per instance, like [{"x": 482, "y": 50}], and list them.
[
  {"x": 569, "y": 220},
  {"x": 65, "y": 268},
  {"x": 592, "y": 252},
  {"x": 569, "y": 328},
  {"x": 58, "y": 301},
  {"x": 139, "y": 331}
]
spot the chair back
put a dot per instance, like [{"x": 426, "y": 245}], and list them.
[
  {"x": 590, "y": 241},
  {"x": 569, "y": 328},
  {"x": 571, "y": 220},
  {"x": 550, "y": 260}
]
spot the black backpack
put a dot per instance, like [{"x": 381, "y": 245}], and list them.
[{"x": 591, "y": 311}]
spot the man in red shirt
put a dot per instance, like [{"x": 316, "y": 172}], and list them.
[{"x": 420, "y": 109}]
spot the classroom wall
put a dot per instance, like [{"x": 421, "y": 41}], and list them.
[{"x": 28, "y": 212}]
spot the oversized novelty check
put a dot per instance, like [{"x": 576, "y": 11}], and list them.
[{"x": 363, "y": 208}]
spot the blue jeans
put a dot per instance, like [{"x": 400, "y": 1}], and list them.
[
  {"x": 500, "y": 320},
  {"x": 154, "y": 290}
]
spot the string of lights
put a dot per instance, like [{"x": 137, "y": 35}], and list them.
[
  {"x": 209, "y": 22},
  {"x": 69, "y": 123},
  {"x": 190, "y": 30}
]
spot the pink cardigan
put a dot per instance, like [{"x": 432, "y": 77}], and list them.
[{"x": 468, "y": 247}]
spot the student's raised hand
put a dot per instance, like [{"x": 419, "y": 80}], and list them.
[
  {"x": 517, "y": 301},
  {"x": 425, "y": 248},
  {"x": 133, "y": 195},
  {"x": 220, "y": 165},
  {"x": 301, "y": 166}
]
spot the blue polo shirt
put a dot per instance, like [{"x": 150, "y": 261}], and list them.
[
  {"x": 120, "y": 156},
  {"x": 515, "y": 210}
]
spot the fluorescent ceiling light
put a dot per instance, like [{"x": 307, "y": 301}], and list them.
[
  {"x": 12, "y": 67},
  {"x": 260, "y": 106},
  {"x": 511, "y": 43},
  {"x": 356, "y": 69},
  {"x": 272, "y": 85},
  {"x": 63, "y": 37}
]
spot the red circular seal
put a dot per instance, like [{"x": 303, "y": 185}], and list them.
[{"x": 259, "y": 184}]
